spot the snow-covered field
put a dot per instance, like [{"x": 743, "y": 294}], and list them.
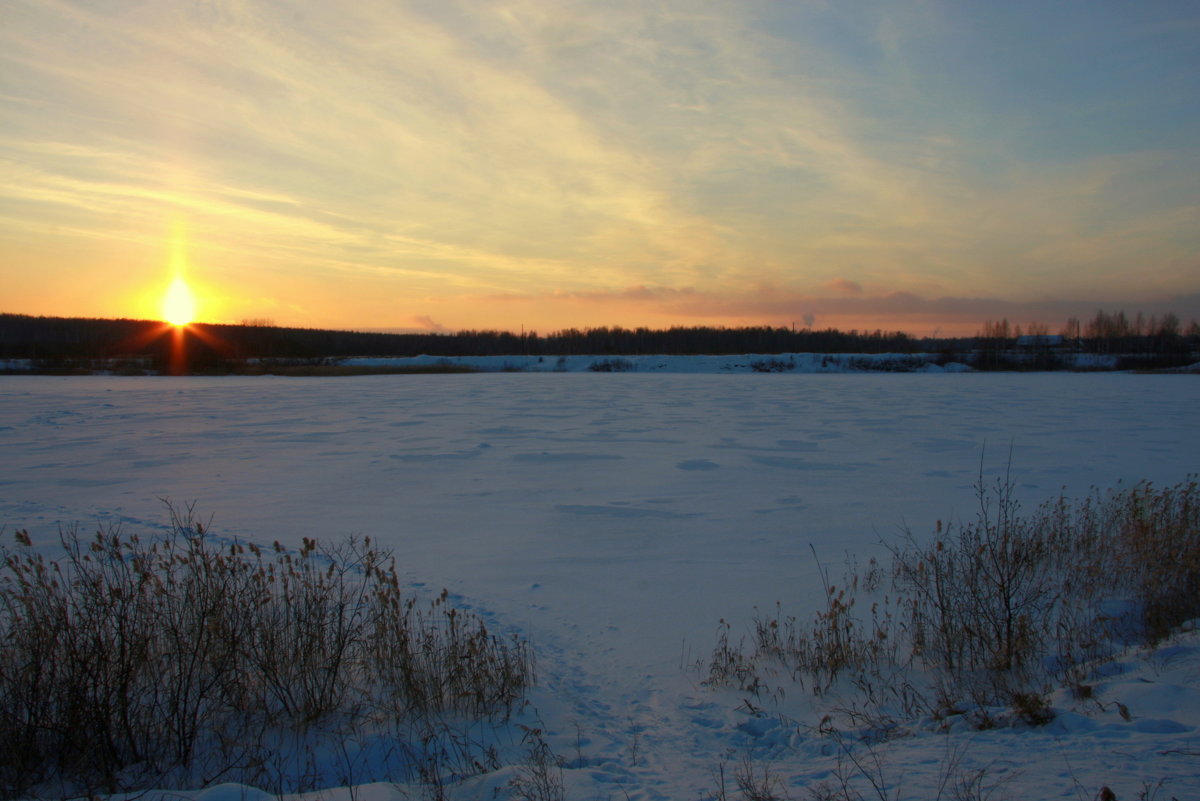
[{"x": 615, "y": 519}]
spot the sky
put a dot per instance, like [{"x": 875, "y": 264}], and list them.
[{"x": 542, "y": 164}]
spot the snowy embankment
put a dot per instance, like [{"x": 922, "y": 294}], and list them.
[
  {"x": 657, "y": 363},
  {"x": 614, "y": 521},
  {"x": 737, "y": 363}
]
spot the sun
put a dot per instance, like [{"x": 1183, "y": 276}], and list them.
[{"x": 179, "y": 304}]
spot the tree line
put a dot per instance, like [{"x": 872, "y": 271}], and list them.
[
  {"x": 64, "y": 342},
  {"x": 1104, "y": 326},
  {"x": 58, "y": 338},
  {"x": 1106, "y": 332},
  {"x": 1141, "y": 341}
]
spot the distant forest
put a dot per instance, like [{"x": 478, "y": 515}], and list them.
[{"x": 60, "y": 342}]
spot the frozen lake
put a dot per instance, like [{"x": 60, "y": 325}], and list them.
[{"x": 613, "y": 518}]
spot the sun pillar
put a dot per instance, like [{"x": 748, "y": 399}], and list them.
[{"x": 177, "y": 360}]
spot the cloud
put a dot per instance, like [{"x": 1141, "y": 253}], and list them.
[
  {"x": 427, "y": 323},
  {"x": 844, "y": 286},
  {"x": 774, "y": 305}
]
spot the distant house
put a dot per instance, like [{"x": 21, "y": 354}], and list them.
[{"x": 1041, "y": 341}]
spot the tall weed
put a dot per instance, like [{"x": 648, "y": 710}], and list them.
[
  {"x": 996, "y": 610},
  {"x": 130, "y": 659}
]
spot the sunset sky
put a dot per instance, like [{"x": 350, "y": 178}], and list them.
[{"x": 450, "y": 164}]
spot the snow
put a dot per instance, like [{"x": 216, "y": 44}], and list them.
[
  {"x": 734, "y": 363},
  {"x": 615, "y": 519}
]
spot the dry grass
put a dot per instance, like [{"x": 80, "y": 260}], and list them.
[
  {"x": 994, "y": 611},
  {"x": 130, "y": 659}
]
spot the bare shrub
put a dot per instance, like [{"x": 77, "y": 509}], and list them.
[
  {"x": 614, "y": 365},
  {"x": 983, "y": 597},
  {"x": 127, "y": 659},
  {"x": 773, "y": 365},
  {"x": 996, "y": 611},
  {"x": 1004, "y": 607}
]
